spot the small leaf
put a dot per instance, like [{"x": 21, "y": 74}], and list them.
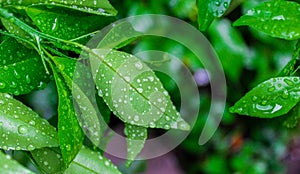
[
  {"x": 271, "y": 98},
  {"x": 132, "y": 91},
  {"x": 136, "y": 138},
  {"x": 48, "y": 160},
  {"x": 88, "y": 161},
  {"x": 230, "y": 46},
  {"x": 290, "y": 67},
  {"x": 292, "y": 117},
  {"x": 276, "y": 18},
  {"x": 23, "y": 129},
  {"x": 65, "y": 24},
  {"x": 21, "y": 69},
  {"x": 209, "y": 10},
  {"x": 69, "y": 131},
  {"x": 9, "y": 166},
  {"x": 99, "y": 7}
]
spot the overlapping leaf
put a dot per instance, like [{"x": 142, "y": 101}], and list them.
[
  {"x": 69, "y": 131},
  {"x": 276, "y": 18},
  {"x": 272, "y": 98},
  {"x": 99, "y": 7},
  {"x": 10, "y": 166},
  {"x": 88, "y": 161},
  {"x": 131, "y": 89},
  {"x": 209, "y": 10},
  {"x": 23, "y": 129},
  {"x": 21, "y": 69}
]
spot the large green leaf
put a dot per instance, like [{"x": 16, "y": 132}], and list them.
[
  {"x": 21, "y": 69},
  {"x": 23, "y": 129},
  {"x": 99, "y": 7},
  {"x": 208, "y": 10},
  {"x": 230, "y": 46},
  {"x": 276, "y": 18},
  {"x": 136, "y": 137},
  {"x": 132, "y": 91},
  {"x": 9, "y": 166},
  {"x": 69, "y": 131},
  {"x": 90, "y": 162},
  {"x": 48, "y": 160},
  {"x": 65, "y": 24},
  {"x": 271, "y": 98}
]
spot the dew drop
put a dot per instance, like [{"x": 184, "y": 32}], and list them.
[
  {"x": 16, "y": 74},
  {"x": 138, "y": 65},
  {"x": 2, "y": 85},
  {"x": 27, "y": 79},
  {"x": 254, "y": 98},
  {"x": 30, "y": 147},
  {"x": 22, "y": 129}
]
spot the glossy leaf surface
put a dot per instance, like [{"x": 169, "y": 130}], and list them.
[
  {"x": 271, "y": 98},
  {"x": 23, "y": 129},
  {"x": 276, "y": 18},
  {"x": 10, "y": 166}
]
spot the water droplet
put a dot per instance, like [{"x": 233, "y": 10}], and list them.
[
  {"x": 30, "y": 147},
  {"x": 254, "y": 98},
  {"x": 138, "y": 65},
  {"x": 32, "y": 122},
  {"x": 272, "y": 88},
  {"x": 27, "y": 78},
  {"x": 68, "y": 147},
  {"x": 288, "y": 82},
  {"x": 152, "y": 124},
  {"x": 22, "y": 129},
  {"x": 140, "y": 90},
  {"x": 2, "y": 85},
  {"x": 136, "y": 118},
  {"x": 46, "y": 163},
  {"x": 16, "y": 74}
]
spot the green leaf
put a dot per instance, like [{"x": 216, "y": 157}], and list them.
[
  {"x": 290, "y": 67},
  {"x": 21, "y": 69},
  {"x": 136, "y": 138},
  {"x": 48, "y": 160},
  {"x": 79, "y": 80},
  {"x": 209, "y": 10},
  {"x": 276, "y": 18},
  {"x": 132, "y": 91},
  {"x": 271, "y": 98},
  {"x": 65, "y": 24},
  {"x": 230, "y": 46},
  {"x": 9, "y": 166},
  {"x": 69, "y": 131},
  {"x": 23, "y": 129},
  {"x": 292, "y": 117},
  {"x": 99, "y": 7},
  {"x": 90, "y": 162}
]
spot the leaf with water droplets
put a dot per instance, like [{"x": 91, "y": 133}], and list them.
[
  {"x": 21, "y": 69},
  {"x": 209, "y": 10},
  {"x": 292, "y": 117},
  {"x": 23, "y": 129},
  {"x": 132, "y": 91},
  {"x": 66, "y": 24},
  {"x": 272, "y": 98},
  {"x": 276, "y": 18},
  {"x": 136, "y": 138},
  {"x": 290, "y": 67},
  {"x": 48, "y": 160},
  {"x": 69, "y": 131},
  {"x": 88, "y": 161},
  {"x": 10, "y": 166},
  {"x": 99, "y": 7}
]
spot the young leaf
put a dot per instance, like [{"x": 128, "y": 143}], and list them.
[
  {"x": 276, "y": 18},
  {"x": 290, "y": 67},
  {"x": 23, "y": 129},
  {"x": 209, "y": 10},
  {"x": 88, "y": 161},
  {"x": 132, "y": 91},
  {"x": 65, "y": 24},
  {"x": 21, "y": 69},
  {"x": 271, "y": 98},
  {"x": 99, "y": 7},
  {"x": 230, "y": 46},
  {"x": 69, "y": 131},
  {"x": 136, "y": 137},
  {"x": 48, "y": 160},
  {"x": 9, "y": 166}
]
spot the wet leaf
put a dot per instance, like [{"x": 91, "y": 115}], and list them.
[
  {"x": 132, "y": 91},
  {"x": 271, "y": 98},
  {"x": 91, "y": 162},
  {"x": 66, "y": 24},
  {"x": 276, "y": 18},
  {"x": 136, "y": 138},
  {"x": 99, "y": 7},
  {"x": 69, "y": 131},
  {"x": 23, "y": 129},
  {"x": 230, "y": 46},
  {"x": 21, "y": 69},
  {"x": 49, "y": 160},
  {"x": 292, "y": 117},
  {"x": 10, "y": 166},
  {"x": 290, "y": 67},
  {"x": 209, "y": 10}
]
